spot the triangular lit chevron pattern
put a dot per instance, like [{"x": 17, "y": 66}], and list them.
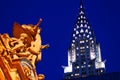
[
  {"x": 82, "y": 29},
  {"x": 84, "y": 55},
  {"x": 83, "y": 33}
]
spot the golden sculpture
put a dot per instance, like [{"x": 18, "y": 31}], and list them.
[{"x": 20, "y": 53}]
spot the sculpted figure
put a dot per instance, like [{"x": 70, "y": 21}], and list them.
[
  {"x": 34, "y": 38},
  {"x": 4, "y": 43},
  {"x": 19, "y": 46},
  {"x": 35, "y": 49},
  {"x": 25, "y": 43},
  {"x": 2, "y": 50}
]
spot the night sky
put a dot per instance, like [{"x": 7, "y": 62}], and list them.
[{"x": 59, "y": 17}]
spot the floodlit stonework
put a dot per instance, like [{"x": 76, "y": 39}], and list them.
[{"x": 20, "y": 53}]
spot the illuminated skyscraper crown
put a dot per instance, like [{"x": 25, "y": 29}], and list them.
[
  {"x": 83, "y": 33},
  {"x": 84, "y": 55}
]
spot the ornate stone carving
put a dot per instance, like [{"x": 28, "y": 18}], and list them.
[{"x": 20, "y": 53}]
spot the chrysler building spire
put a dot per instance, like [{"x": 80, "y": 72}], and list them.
[{"x": 84, "y": 55}]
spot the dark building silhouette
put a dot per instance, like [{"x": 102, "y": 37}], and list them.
[
  {"x": 105, "y": 76},
  {"x": 84, "y": 55}
]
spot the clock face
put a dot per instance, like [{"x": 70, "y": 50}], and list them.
[{"x": 28, "y": 69}]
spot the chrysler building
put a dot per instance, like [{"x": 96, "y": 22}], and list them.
[{"x": 84, "y": 54}]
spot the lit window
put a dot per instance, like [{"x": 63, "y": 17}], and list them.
[
  {"x": 77, "y": 26},
  {"x": 77, "y": 48},
  {"x": 88, "y": 27},
  {"x": 81, "y": 6},
  {"x": 78, "y": 22},
  {"x": 85, "y": 25},
  {"x": 81, "y": 25},
  {"x": 74, "y": 29},
  {"x": 88, "y": 36},
  {"x": 89, "y": 32},
  {"x": 73, "y": 45},
  {"x": 81, "y": 31},
  {"x": 79, "y": 18},
  {"x": 79, "y": 35},
  {"x": 87, "y": 47},
  {"x": 71, "y": 74},
  {"x": 82, "y": 47},
  {"x": 73, "y": 35},
  {"x": 86, "y": 40},
  {"x": 84, "y": 62},
  {"x": 81, "y": 21},
  {"x": 77, "y": 74},
  {"x": 92, "y": 41},
  {"x": 82, "y": 41},
  {"x": 72, "y": 51},
  {"x": 84, "y": 17},
  {"x": 91, "y": 38},
  {"x": 73, "y": 40},
  {"x": 82, "y": 66},
  {"x": 77, "y": 32},
  {"x": 77, "y": 67},
  {"x": 86, "y": 30},
  {"x": 81, "y": 12},
  {"x": 77, "y": 54},
  {"x": 84, "y": 21},
  {"x": 84, "y": 35},
  {"x": 101, "y": 70},
  {"x": 89, "y": 65}
]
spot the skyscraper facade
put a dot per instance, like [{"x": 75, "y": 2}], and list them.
[{"x": 84, "y": 54}]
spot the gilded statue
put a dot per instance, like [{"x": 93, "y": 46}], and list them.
[{"x": 25, "y": 46}]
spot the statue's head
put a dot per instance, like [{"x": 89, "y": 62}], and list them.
[
  {"x": 23, "y": 36},
  {"x": 5, "y": 35}
]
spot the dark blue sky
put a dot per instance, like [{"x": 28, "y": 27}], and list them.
[{"x": 59, "y": 17}]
